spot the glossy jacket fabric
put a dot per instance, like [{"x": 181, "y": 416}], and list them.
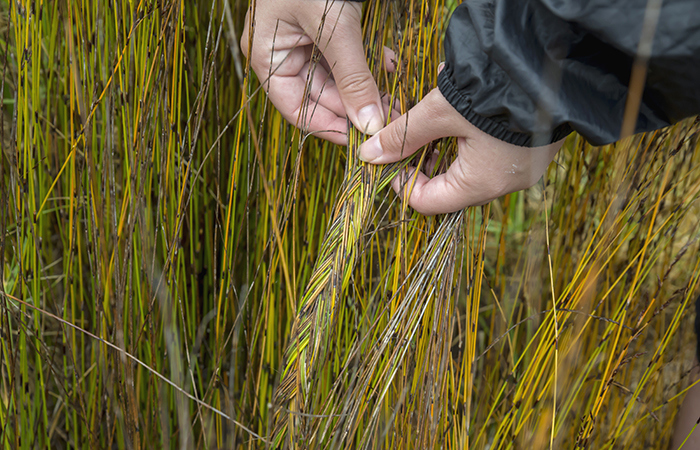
[{"x": 530, "y": 71}]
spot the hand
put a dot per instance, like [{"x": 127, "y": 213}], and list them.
[
  {"x": 486, "y": 168},
  {"x": 281, "y": 55}
]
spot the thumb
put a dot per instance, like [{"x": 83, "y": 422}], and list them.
[
  {"x": 342, "y": 48},
  {"x": 432, "y": 118}
]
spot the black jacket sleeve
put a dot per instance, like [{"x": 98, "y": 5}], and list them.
[{"x": 530, "y": 71}]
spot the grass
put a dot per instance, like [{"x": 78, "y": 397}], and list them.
[{"x": 175, "y": 272}]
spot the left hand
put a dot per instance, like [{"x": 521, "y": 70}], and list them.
[{"x": 316, "y": 95}]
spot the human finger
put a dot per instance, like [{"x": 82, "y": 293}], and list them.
[
  {"x": 432, "y": 118},
  {"x": 451, "y": 191},
  {"x": 341, "y": 45},
  {"x": 485, "y": 169}
]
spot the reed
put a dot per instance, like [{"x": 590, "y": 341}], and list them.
[{"x": 183, "y": 269}]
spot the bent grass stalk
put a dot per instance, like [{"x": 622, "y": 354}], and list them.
[{"x": 317, "y": 317}]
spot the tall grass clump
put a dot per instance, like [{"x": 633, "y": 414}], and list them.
[{"x": 183, "y": 269}]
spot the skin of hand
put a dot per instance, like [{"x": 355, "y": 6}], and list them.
[
  {"x": 485, "y": 168},
  {"x": 282, "y": 55},
  {"x": 315, "y": 96}
]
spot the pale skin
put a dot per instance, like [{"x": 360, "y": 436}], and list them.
[
  {"x": 281, "y": 56},
  {"x": 486, "y": 168},
  {"x": 342, "y": 87}
]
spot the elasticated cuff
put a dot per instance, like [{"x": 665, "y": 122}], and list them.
[{"x": 498, "y": 130}]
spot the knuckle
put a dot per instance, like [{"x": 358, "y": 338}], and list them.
[
  {"x": 345, "y": 20},
  {"x": 395, "y": 139},
  {"x": 464, "y": 177},
  {"x": 354, "y": 84},
  {"x": 419, "y": 198}
]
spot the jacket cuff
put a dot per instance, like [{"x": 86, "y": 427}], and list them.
[{"x": 500, "y": 131}]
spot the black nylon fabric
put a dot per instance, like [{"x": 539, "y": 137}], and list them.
[{"x": 530, "y": 71}]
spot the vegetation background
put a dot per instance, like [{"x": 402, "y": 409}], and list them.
[{"x": 172, "y": 249}]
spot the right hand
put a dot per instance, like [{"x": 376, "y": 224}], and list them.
[
  {"x": 284, "y": 34},
  {"x": 485, "y": 169}
]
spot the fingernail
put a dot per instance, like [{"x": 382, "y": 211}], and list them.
[
  {"x": 370, "y": 120},
  {"x": 371, "y": 149}
]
